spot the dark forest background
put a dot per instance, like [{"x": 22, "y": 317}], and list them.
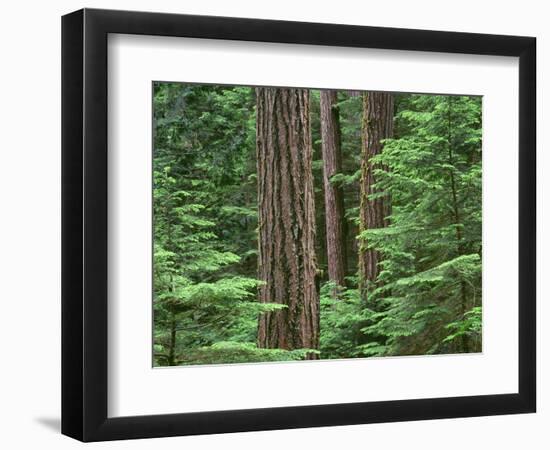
[{"x": 296, "y": 224}]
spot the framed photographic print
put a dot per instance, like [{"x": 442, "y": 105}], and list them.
[{"x": 273, "y": 224}]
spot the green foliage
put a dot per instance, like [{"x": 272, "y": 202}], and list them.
[
  {"x": 204, "y": 290},
  {"x": 341, "y": 318},
  {"x": 237, "y": 352},
  {"x": 427, "y": 299},
  {"x": 431, "y": 268},
  {"x": 205, "y": 218},
  {"x": 469, "y": 325}
]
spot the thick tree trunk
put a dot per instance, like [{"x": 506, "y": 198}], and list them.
[
  {"x": 334, "y": 197},
  {"x": 286, "y": 241},
  {"x": 377, "y": 126}
]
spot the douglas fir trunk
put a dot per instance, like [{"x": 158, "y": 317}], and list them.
[
  {"x": 377, "y": 126},
  {"x": 286, "y": 240},
  {"x": 334, "y": 197}
]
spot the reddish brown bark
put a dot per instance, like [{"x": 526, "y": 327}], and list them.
[
  {"x": 377, "y": 126},
  {"x": 286, "y": 239},
  {"x": 334, "y": 197}
]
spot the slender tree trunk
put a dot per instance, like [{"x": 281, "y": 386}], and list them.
[
  {"x": 334, "y": 196},
  {"x": 377, "y": 125},
  {"x": 172, "y": 345},
  {"x": 455, "y": 217},
  {"x": 172, "y": 307},
  {"x": 286, "y": 213}
]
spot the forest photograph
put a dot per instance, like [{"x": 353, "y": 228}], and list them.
[{"x": 295, "y": 224}]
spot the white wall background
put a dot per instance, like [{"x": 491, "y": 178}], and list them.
[{"x": 30, "y": 223}]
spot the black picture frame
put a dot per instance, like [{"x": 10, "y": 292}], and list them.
[{"x": 84, "y": 224}]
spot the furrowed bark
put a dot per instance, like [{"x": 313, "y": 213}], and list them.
[
  {"x": 334, "y": 197},
  {"x": 377, "y": 125},
  {"x": 286, "y": 228}
]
